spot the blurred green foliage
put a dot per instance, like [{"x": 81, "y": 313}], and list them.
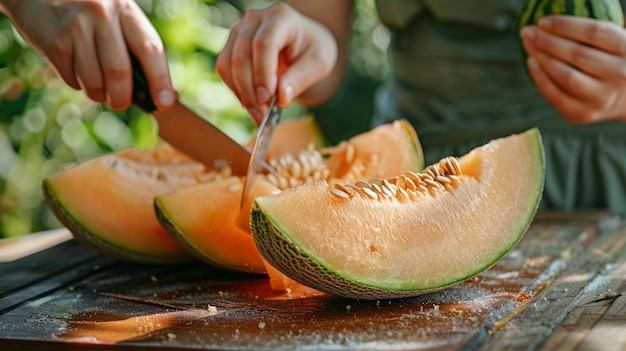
[{"x": 45, "y": 125}]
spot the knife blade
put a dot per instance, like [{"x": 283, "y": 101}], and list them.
[
  {"x": 261, "y": 145},
  {"x": 190, "y": 133}
]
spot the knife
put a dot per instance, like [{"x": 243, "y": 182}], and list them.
[
  {"x": 188, "y": 132},
  {"x": 261, "y": 145}
]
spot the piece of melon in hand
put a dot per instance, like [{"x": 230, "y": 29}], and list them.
[{"x": 410, "y": 234}]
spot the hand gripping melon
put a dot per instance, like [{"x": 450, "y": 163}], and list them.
[
  {"x": 410, "y": 234},
  {"x": 217, "y": 231}
]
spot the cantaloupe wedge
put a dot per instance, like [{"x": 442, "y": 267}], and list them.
[
  {"x": 208, "y": 221},
  {"x": 203, "y": 219},
  {"x": 406, "y": 235},
  {"x": 107, "y": 203}
]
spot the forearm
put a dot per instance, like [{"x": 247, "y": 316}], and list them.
[{"x": 336, "y": 15}]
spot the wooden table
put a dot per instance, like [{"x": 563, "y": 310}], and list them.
[{"x": 563, "y": 287}]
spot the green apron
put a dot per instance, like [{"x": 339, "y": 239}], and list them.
[{"x": 457, "y": 75}]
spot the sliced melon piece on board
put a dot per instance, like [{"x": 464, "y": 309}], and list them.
[
  {"x": 410, "y": 234},
  {"x": 107, "y": 202},
  {"x": 203, "y": 217}
]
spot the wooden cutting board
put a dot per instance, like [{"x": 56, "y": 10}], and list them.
[{"x": 537, "y": 296}]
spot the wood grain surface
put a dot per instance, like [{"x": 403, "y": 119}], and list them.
[{"x": 561, "y": 288}]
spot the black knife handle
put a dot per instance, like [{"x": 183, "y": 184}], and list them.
[{"x": 141, "y": 90}]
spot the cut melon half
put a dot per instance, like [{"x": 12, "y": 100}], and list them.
[{"x": 410, "y": 234}]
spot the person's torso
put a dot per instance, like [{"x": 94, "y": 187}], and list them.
[{"x": 457, "y": 73}]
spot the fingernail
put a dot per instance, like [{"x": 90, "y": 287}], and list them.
[
  {"x": 532, "y": 63},
  {"x": 529, "y": 33},
  {"x": 262, "y": 95},
  {"x": 165, "y": 98},
  {"x": 255, "y": 114},
  {"x": 530, "y": 48},
  {"x": 289, "y": 93},
  {"x": 545, "y": 23}
]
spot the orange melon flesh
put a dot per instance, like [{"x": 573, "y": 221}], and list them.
[
  {"x": 203, "y": 219},
  {"x": 386, "y": 150},
  {"x": 288, "y": 288},
  {"x": 293, "y": 135},
  {"x": 107, "y": 202},
  {"x": 208, "y": 221},
  {"x": 372, "y": 249}
]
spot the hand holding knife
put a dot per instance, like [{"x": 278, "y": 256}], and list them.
[
  {"x": 188, "y": 132},
  {"x": 204, "y": 142}
]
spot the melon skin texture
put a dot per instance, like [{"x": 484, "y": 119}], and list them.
[
  {"x": 403, "y": 246},
  {"x": 207, "y": 219}
]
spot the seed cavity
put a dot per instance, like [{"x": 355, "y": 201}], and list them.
[
  {"x": 443, "y": 176},
  {"x": 291, "y": 171}
]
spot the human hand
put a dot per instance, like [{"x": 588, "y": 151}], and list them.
[
  {"x": 88, "y": 43},
  {"x": 275, "y": 51},
  {"x": 579, "y": 65}
]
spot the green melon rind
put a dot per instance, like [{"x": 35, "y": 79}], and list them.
[
  {"x": 417, "y": 146},
  {"x": 175, "y": 233},
  {"x": 90, "y": 239},
  {"x": 289, "y": 258},
  {"x": 276, "y": 246}
]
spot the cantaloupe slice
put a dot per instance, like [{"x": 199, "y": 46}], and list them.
[
  {"x": 203, "y": 218},
  {"x": 406, "y": 235},
  {"x": 107, "y": 202}
]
